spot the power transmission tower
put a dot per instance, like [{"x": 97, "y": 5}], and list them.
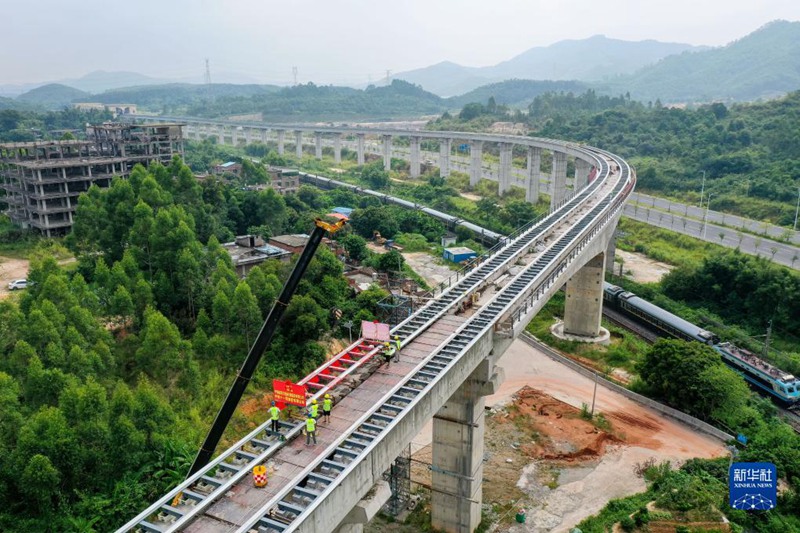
[
  {"x": 294, "y": 74},
  {"x": 388, "y": 77},
  {"x": 207, "y": 78}
]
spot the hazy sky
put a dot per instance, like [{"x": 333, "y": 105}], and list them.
[{"x": 337, "y": 41}]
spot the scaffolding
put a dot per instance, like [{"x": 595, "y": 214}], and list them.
[
  {"x": 399, "y": 478},
  {"x": 395, "y": 308}
]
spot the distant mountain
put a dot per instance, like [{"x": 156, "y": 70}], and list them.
[
  {"x": 764, "y": 64},
  {"x": 52, "y": 96},
  {"x": 515, "y": 93},
  {"x": 101, "y": 80},
  {"x": 595, "y": 58}
]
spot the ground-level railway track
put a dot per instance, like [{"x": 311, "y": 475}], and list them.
[{"x": 177, "y": 509}]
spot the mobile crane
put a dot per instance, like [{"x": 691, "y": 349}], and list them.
[{"x": 261, "y": 344}]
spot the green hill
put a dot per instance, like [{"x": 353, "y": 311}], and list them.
[
  {"x": 515, "y": 93},
  {"x": 764, "y": 64},
  {"x": 53, "y": 96},
  {"x": 177, "y": 97}
]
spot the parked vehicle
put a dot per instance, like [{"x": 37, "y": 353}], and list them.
[{"x": 18, "y": 284}]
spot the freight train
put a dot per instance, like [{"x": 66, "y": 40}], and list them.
[{"x": 780, "y": 385}]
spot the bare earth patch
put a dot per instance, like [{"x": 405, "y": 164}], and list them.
[
  {"x": 11, "y": 269},
  {"x": 427, "y": 267},
  {"x": 542, "y": 456},
  {"x": 642, "y": 268}
]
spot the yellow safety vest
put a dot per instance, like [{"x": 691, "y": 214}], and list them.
[
  {"x": 314, "y": 410},
  {"x": 397, "y": 343},
  {"x": 311, "y": 425},
  {"x": 275, "y": 412},
  {"x": 326, "y": 404}
]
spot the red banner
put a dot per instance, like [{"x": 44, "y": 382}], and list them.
[{"x": 288, "y": 393}]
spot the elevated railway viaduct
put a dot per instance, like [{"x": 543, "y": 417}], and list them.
[{"x": 447, "y": 366}]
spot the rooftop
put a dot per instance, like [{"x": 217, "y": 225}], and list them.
[{"x": 295, "y": 241}]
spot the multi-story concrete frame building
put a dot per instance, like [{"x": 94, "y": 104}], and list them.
[{"x": 43, "y": 179}]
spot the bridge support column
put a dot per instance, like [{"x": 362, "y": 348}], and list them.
[
  {"x": 360, "y": 148},
  {"x": 221, "y": 134},
  {"x": 476, "y": 162},
  {"x": 318, "y": 145},
  {"x": 337, "y": 148},
  {"x": 558, "y": 179},
  {"x": 414, "y": 171},
  {"x": 387, "y": 152},
  {"x": 457, "y": 464},
  {"x": 611, "y": 251},
  {"x": 534, "y": 174},
  {"x": 445, "y": 146},
  {"x": 234, "y": 136},
  {"x": 583, "y": 308},
  {"x": 581, "y": 173},
  {"x": 298, "y": 144},
  {"x": 505, "y": 167},
  {"x": 281, "y": 138}
]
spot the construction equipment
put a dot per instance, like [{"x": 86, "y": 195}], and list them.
[
  {"x": 377, "y": 239},
  {"x": 260, "y": 345}
]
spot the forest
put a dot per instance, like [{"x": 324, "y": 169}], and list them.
[
  {"x": 112, "y": 367},
  {"x": 749, "y": 154}
]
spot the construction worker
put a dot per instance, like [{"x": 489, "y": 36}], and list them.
[
  {"x": 397, "y": 345},
  {"x": 313, "y": 410},
  {"x": 388, "y": 352},
  {"x": 311, "y": 429},
  {"x": 327, "y": 404},
  {"x": 275, "y": 416}
]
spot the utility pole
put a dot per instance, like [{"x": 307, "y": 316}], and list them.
[
  {"x": 796, "y": 209},
  {"x": 594, "y": 394},
  {"x": 705, "y": 218},
  {"x": 766, "y": 341},
  {"x": 702, "y": 189}
]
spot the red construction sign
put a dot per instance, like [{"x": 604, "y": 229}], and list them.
[{"x": 287, "y": 392}]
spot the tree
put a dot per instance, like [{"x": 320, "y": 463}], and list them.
[
  {"x": 355, "y": 246},
  {"x": 391, "y": 261},
  {"x": 246, "y": 315},
  {"x": 374, "y": 174},
  {"x": 692, "y": 377}
]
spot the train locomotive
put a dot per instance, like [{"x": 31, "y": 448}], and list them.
[{"x": 780, "y": 385}]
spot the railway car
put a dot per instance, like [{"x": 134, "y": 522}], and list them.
[
  {"x": 662, "y": 320},
  {"x": 768, "y": 379},
  {"x": 765, "y": 377}
]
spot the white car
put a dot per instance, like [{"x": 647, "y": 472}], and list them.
[{"x": 18, "y": 284}]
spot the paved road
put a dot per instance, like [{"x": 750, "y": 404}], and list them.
[
  {"x": 781, "y": 253},
  {"x": 724, "y": 219}
]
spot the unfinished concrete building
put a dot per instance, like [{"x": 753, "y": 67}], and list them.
[{"x": 43, "y": 179}]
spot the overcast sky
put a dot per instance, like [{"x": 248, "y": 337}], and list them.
[{"x": 338, "y": 41}]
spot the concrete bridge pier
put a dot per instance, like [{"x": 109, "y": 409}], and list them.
[
  {"x": 298, "y": 144},
  {"x": 558, "y": 181},
  {"x": 445, "y": 145},
  {"x": 534, "y": 174},
  {"x": 505, "y": 168},
  {"x": 317, "y": 145},
  {"x": 234, "y": 136},
  {"x": 583, "y": 308},
  {"x": 387, "y": 152},
  {"x": 457, "y": 464},
  {"x": 221, "y": 135},
  {"x": 264, "y": 137},
  {"x": 337, "y": 148},
  {"x": 281, "y": 139},
  {"x": 360, "y": 148},
  {"x": 476, "y": 162},
  {"x": 414, "y": 171},
  {"x": 581, "y": 173}
]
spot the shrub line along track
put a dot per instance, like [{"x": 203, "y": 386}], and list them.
[{"x": 212, "y": 483}]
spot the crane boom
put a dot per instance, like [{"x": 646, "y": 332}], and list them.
[{"x": 260, "y": 345}]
